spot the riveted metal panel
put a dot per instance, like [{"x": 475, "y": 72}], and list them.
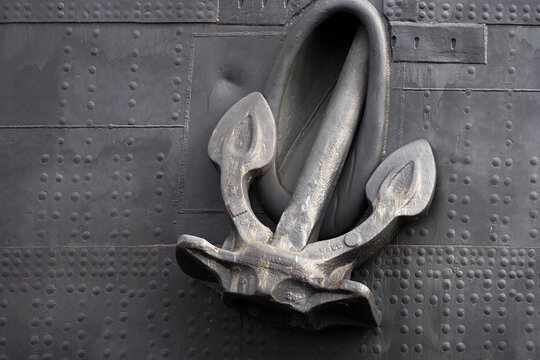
[
  {"x": 133, "y": 302},
  {"x": 109, "y": 11},
  {"x": 218, "y": 82},
  {"x": 265, "y": 12},
  {"x": 89, "y": 186},
  {"x": 487, "y": 162},
  {"x": 259, "y": 11},
  {"x": 106, "y": 302},
  {"x": 91, "y": 209},
  {"x": 512, "y": 58},
  {"x": 438, "y": 43},
  {"x": 93, "y": 74},
  {"x": 525, "y": 12}
]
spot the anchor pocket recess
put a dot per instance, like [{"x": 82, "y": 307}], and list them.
[{"x": 308, "y": 73}]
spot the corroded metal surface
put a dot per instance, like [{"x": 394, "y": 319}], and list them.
[
  {"x": 286, "y": 275},
  {"x": 460, "y": 283},
  {"x": 279, "y": 276}
]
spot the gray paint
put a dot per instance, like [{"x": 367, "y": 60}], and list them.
[
  {"x": 447, "y": 289},
  {"x": 113, "y": 12},
  {"x": 439, "y": 43},
  {"x": 523, "y": 12}
]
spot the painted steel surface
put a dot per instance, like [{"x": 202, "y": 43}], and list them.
[{"x": 104, "y": 129}]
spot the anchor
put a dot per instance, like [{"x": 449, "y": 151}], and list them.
[{"x": 289, "y": 275}]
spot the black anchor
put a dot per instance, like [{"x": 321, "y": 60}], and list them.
[{"x": 288, "y": 275}]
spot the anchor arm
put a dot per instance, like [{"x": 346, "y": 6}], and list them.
[
  {"x": 242, "y": 145},
  {"x": 402, "y": 186},
  {"x": 354, "y": 247}
]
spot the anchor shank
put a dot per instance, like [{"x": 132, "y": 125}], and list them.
[{"x": 301, "y": 220}]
